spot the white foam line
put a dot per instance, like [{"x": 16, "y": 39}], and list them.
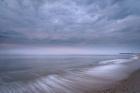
[{"x": 119, "y": 61}]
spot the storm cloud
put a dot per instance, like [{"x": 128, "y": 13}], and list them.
[{"x": 75, "y": 23}]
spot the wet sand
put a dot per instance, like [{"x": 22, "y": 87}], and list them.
[{"x": 129, "y": 85}]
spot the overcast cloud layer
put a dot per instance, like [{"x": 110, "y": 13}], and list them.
[{"x": 75, "y": 23}]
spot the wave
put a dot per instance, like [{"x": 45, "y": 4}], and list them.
[
  {"x": 95, "y": 78},
  {"x": 119, "y": 61}
]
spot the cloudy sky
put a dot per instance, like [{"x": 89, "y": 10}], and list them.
[{"x": 69, "y": 26}]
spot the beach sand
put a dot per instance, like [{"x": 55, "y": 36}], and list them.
[{"x": 129, "y": 85}]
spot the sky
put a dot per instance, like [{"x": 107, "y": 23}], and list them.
[{"x": 69, "y": 26}]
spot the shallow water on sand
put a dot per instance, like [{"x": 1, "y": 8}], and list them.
[{"x": 63, "y": 74}]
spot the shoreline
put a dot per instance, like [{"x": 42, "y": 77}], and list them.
[
  {"x": 117, "y": 76},
  {"x": 128, "y": 85}
]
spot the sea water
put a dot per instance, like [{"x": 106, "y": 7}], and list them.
[{"x": 63, "y": 74}]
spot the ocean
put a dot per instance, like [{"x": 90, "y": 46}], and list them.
[{"x": 63, "y": 73}]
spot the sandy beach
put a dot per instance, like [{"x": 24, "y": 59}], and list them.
[{"x": 129, "y": 85}]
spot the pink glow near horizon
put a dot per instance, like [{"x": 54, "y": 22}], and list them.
[{"x": 58, "y": 51}]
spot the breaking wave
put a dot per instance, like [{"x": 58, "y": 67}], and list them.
[{"x": 119, "y": 61}]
